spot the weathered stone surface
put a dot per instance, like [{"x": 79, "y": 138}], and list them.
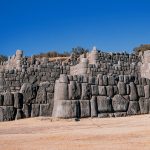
[
  {"x": 105, "y": 115},
  {"x": 119, "y": 103},
  {"x": 121, "y": 88},
  {"x": 140, "y": 90},
  {"x": 45, "y": 110},
  {"x": 111, "y": 80},
  {"x": 94, "y": 89},
  {"x": 66, "y": 109},
  {"x": 144, "y": 105},
  {"x": 104, "y": 104},
  {"x": 105, "y": 80},
  {"x": 61, "y": 91},
  {"x": 7, "y": 113},
  {"x": 8, "y": 99},
  {"x": 41, "y": 97},
  {"x": 110, "y": 91},
  {"x": 133, "y": 92},
  {"x": 29, "y": 92},
  {"x": 19, "y": 114},
  {"x": 120, "y": 114},
  {"x": 35, "y": 110},
  {"x": 18, "y": 100},
  {"x": 115, "y": 90},
  {"x": 63, "y": 78},
  {"x": 85, "y": 108},
  {"x": 147, "y": 91},
  {"x": 100, "y": 79},
  {"x": 86, "y": 91},
  {"x": 94, "y": 109},
  {"x": 1, "y": 100},
  {"x": 121, "y": 78},
  {"x": 134, "y": 108},
  {"x": 126, "y": 79},
  {"x": 26, "y": 110},
  {"x": 102, "y": 90}
]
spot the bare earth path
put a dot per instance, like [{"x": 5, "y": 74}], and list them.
[{"x": 126, "y": 133}]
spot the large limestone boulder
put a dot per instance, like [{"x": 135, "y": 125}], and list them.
[
  {"x": 7, "y": 113},
  {"x": 94, "y": 109},
  {"x": 134, "y": 108},
  {"x": 119, "y": 103},
  {"x": 144, "y": 105},
  {"x": 66, "y": 109},
  {"x": 29, "y": 92},
  {"x": 104, "y": 104},
  {"x": 61, "y": 91},
  {"x": 8, "y": 99},
  {"x": 85, "y": 108}
]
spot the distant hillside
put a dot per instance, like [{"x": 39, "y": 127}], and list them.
[{"x": 141, "y": 48}]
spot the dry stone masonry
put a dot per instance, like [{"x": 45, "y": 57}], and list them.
[{"x": 97, "y": 84}]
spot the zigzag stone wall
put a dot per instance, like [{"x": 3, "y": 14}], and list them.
[{"x": 110, "y": 87}]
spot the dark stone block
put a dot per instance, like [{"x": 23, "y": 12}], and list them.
[
  {"x": 7, "y": 113},
  {"x": 85, "y": 108},
  {"x": 1, "y": 100},
  {"x": 133, "y": 92},
  {"x": 120, "y": 104},
  {"x": 35, "y": 110},
  {"x": 110, "y": 91},
  {"x": 18, "y": 100},
  {"x": 8, "y": 99},
  {"x": 94, "y": 109},
  {"x": 144, "y": 105},
  {"x": 45, "y": 110},
  {"x": 134, "y": 108},
  {"x": 104, "y": 104}
]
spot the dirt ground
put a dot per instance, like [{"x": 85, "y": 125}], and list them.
[{"x": 127, "y": 133}]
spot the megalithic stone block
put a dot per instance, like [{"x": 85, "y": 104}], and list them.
[
  {"x": 100, "y": 79},
  {"x": 133, "y": 92},
  {"x": 120, "y": 104},
  {"x": 144, "y": 105},
  {"x": 18, "y": 100},
  {"x": 63, "y": 78},
  {"x": 7, "y": 113},
  {"x": 66, "y": 109},
  {"x": 122, "y": 88},
  {"x": 61, "y": 91},
  {"x": 105, "y": 80},
  {"x": 8, "y": 99},
  {"x": 19, "y": 114},
  {"x": 86, "y": 91},
  {"x": 104, "y": 104},
  {"x": 140, "y": 90},
  {"x": 102, "y": 90},
  {"x": 94, "y": 89},
  {"x": 147, "y": 91},
  {"x": 110, "y": 91},
  {"x": 26, "y": 110},
  {"x": 1, "y": 100},
  {"x": 111, "y": 80},
  {"x": 35, "y": 112},
  {"x": 134, "y": 108},
  {"x": 94, "y": 109},
  {"x": 72, "y": 90},
  {"x": 45, "y": 110},
  {"x": 85, "y": 108}
]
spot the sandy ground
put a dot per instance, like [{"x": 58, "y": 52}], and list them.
[{"x": 126, "y": 133}]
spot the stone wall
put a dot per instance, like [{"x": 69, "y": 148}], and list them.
[
  {"x": 101, "y": 96},
  {"x": 99, "y": 85}
]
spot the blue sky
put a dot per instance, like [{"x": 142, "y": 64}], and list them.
[{"x": 41, "y": 25}]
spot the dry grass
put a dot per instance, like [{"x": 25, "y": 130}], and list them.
[{"x": 126, "y": 133}]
